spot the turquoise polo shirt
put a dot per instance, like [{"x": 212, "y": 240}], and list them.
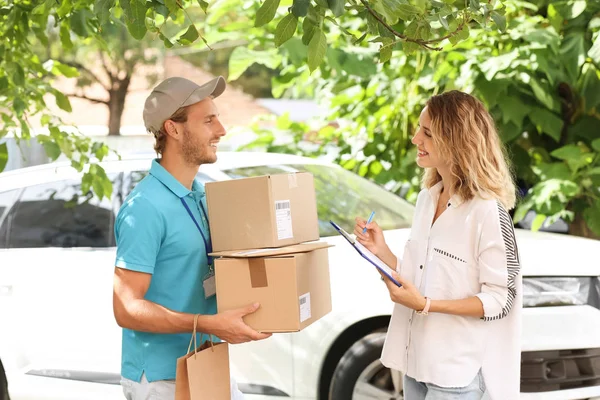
[{"x": 156, "y": 235}]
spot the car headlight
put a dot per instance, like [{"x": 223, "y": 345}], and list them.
[{"x": 555, "y": 291}]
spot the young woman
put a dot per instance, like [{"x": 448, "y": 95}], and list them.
[{"x": 455, "y": 328}]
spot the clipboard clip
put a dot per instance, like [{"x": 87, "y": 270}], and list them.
[{"x": 343, "y": 232}]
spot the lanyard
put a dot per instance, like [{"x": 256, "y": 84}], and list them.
[{"x": 207, "y": 243}]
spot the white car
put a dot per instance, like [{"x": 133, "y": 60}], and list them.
[{"x": 59, "y": 339}]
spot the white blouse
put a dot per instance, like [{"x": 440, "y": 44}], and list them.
[{"x": 469, "y": 251}]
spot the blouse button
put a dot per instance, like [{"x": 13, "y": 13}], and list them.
[{"x": 420, "y": 266}]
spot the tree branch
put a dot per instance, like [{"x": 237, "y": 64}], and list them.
[
  {"x": 106, "y": 69},
  {"x": 82, "y": 96},
  {"x": 423, "y": 43},
  {"x": 82, "y": 68}
]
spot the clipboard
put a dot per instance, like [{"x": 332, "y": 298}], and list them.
[{"x": 366, "y": 254}]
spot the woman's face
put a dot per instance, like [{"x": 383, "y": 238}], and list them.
[{"x": 427, "y": 154}]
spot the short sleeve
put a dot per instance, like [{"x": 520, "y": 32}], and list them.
[
  {"x": 498, "y": 264},
  {"x": 139, "y": 230}
]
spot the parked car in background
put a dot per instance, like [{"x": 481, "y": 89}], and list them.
[{"x": 59, "y": 339}]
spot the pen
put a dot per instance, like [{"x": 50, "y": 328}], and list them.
[{"x": 368, "y": 221}]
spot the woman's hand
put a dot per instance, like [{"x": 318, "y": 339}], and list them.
[
  {"x": 407, "y": 295},
  {"x": 373, "y": 239}
]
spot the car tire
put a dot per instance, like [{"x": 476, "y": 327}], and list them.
[
  {"x": 360, "y": 375},
  {"x": 3, "y": 384}
]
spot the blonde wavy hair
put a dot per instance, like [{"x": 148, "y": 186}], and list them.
[{"x": 464, "y": 132}]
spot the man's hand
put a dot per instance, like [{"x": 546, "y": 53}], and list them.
[
  {"x": 231, "y": 328},
  {"x": 407, "y": 295}
]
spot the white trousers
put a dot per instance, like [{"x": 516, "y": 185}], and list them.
[{"x": 162, "y": 390}]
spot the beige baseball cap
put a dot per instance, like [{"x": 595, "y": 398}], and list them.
[{"x": 172, "y": 94}]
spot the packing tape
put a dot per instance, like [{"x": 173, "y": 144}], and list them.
[
  {"x": 292, "y": 181},
  {"x": 258, "y": 272}
]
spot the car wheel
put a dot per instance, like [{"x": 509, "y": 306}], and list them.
[{"x": 359, "y": 375}]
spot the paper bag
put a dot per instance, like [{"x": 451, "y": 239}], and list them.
[{"x": 203, "y": 374}]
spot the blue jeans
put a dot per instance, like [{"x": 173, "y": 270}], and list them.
[{"x": 414, "y": 390}]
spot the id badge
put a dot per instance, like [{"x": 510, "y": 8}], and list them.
[{"x": 209, "y": 284}]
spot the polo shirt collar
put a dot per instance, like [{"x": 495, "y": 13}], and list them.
[
  {"x": 435, "y": 190},
  {"x": 165, "y": 177}
]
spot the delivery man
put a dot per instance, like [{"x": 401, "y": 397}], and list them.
[{"x": 163, "y": 275}]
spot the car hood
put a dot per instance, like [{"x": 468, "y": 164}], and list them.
[{"x": 541, "y": 253}]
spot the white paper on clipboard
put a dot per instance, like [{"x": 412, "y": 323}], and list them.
[{"x": 366, "y": 254}]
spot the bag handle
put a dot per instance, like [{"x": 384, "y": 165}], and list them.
[{"x": 193, "y": 340}]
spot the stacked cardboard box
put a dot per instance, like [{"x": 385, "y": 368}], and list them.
[{"x": 265, "y": 235}]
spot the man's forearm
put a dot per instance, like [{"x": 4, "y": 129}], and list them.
[{"x": 146, "y": 316}]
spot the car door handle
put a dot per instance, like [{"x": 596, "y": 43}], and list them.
[{"x": 6, "y": 290}]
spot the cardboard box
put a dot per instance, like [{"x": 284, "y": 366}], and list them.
[
  {"x": 291, "y": 284},
  {"x": 265, "y": 211}
]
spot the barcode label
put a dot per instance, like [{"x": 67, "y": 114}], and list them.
[
  {"x": 304, "y": 301},
  {"x": 282, "y": 205},
  {"x": 283, "y": 219}
]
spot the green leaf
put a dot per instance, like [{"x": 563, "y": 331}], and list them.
[
  {"x": 64, "y": 9},
  {"x": 19, "y": 106},
  {"x": 102, "y": 9},
  {"x": 79, "y": 23},
  {"x": 547, "y": 122},
  {"x": 52, "y": 149},
  {"x": 499, "y": 20},
  {"x": 513, "y": 109},
  {"x": 594, "y": 52},
  {"x": 537, "y": 222},
  {"x": 372, "y": 24},
  {"x": 172, "y": 6},
  {"x": 385, "y": 52},
  {"x": 570, "y": 9},
  {"x": 569, "y": 152},
  {"x": 190, "y": 35},
  {"x": 316, "y": 50},
  {"x": 406, "y": 12},
  {"x": 411, "y": 32},
  {"x": 65, "y": 36},
  {"x": 241, "y": 58},
  {"x": 491, "y": 66},
  {"x": 573, "y": 53},
  {"x": 596, "y": 145},
  {"x": 3, "y": 156},
  {"x": 62, "y": 101},
  {"x": 135, "y": 14},
  {"x": 461, "y": 35},
  {"x": 309, "y": 29},
  {"x": 300, "y": 8},
  {"x": 203, "y": 5},
  {"x": 168, "y": 44},
  {"x": 586, "y": 127},
  {"x": 65, "y": 70},
  {"x": 266, "y": 12},
  {"x": 542, "y": 92},
  {"x": 285, "y": 29},
  {"x": 18, "y": 74},
  {"x": 592, "y": 217},
  {"x": 336, "y": 7},
  {"x": 590, "y": 87}
]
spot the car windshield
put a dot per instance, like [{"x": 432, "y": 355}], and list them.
[{"x": 342, "y": 196}]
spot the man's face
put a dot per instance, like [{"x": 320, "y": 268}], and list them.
[{"x": 202, "y": 133}]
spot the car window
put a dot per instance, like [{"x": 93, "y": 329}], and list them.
[
  {"x": 55, "y": 214},
  {"x": 342, "y": 196},
  {"x": 7, "y": 201}
]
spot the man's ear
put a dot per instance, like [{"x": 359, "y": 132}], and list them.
[{"x": 171, "y": 129}]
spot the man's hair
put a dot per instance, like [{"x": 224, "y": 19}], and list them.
[
  {"x": 181, "y": 115},
  {"x": 463, "y": 131}
]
